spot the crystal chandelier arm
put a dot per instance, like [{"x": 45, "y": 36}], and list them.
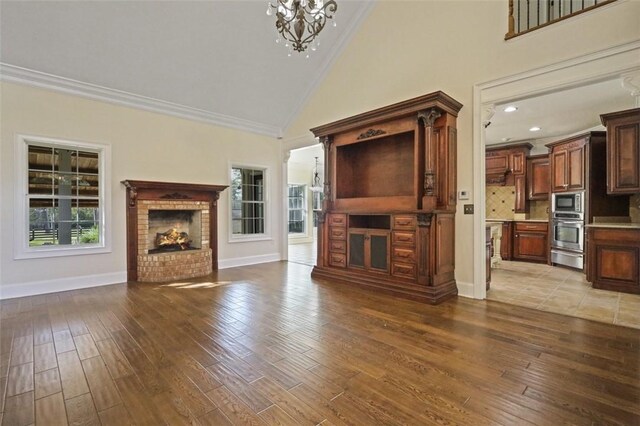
[{"x": 299, "y": 21}]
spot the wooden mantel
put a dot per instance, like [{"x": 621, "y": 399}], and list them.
[{"x": 139, "y": 190}]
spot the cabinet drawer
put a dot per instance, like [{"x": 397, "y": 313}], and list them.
[
  {"x": 404, "y": 270},
  {"x": 404, "y": 238},
  {"x": 404, "y": 222},
  {"x": 531, "y": 226},
  {"x": 337, "y": 233},
  {"x": 404, "y": 255},
  {"x": 338, "y": 246},
  {"x": 338, "y": 219},
  {"x": 338, "y": 259}
]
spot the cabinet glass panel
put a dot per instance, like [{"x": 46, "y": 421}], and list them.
[
  {"x": 356, "y": 250},
  {"x": 379, "y": 252}
]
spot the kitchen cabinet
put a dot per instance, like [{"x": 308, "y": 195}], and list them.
[
  {"x": 613, "y": 258},
  {"x": 623, "y": 151},
  {"x": 506, "y": 250},
  {"x": 521, "y": 203},
  {"x": 530, "y": 241},
  {"x": 567, "y": 163},
  {"x": 538, "y": 183},
  {"x": 504, "y": 163}
]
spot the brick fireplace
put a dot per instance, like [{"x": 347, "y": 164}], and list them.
[{"x": 171, "y": 230}]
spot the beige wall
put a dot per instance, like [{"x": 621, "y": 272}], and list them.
[
  {"x": 406, "y": 49},
  {"x": 144, "y": 146}
]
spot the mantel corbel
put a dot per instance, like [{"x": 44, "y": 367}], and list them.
[{"x": 133, "y": 192}]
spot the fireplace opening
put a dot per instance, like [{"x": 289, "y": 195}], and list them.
[{"x": 174, "y": 230}]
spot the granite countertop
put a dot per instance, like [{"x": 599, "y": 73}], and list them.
[
  {"x": 518, "y": 220},
  {"x": 614, "y": 225}
]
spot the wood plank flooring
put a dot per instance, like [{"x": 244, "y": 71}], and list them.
[{"x": 266, "y": 345}]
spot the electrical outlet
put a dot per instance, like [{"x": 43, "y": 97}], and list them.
[{"x": 468, "y": 209}]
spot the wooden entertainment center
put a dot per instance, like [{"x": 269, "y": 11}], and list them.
[{"x": 388, "y": 216}]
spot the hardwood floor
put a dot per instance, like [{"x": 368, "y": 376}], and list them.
[{"x": 267, "y": 345}]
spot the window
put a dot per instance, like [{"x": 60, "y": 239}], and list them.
[
  {"x": 297, "y": 209},
  {"x": 247, "y": 201},
  {"x": 62, "y": 208}
]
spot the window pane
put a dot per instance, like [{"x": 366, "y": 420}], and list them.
[
  {"x": 247, "y": 201},
  {"x": 40, "y": 182}
]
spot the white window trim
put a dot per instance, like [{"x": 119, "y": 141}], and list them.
[
  {"x": 305, "y": 233},
  {"x": 21, "y": 212},
  {"x": 241, "y": 238}
]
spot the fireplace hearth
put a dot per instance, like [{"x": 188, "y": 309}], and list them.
[{"x": 171, "y": 230}]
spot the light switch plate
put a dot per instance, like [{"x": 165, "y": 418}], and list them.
[{"x": 468, "y": 209}]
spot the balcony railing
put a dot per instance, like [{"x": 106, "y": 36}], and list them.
[{"x": 528, "y": 15}]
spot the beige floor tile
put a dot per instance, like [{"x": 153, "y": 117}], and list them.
[
  {"x": 561, "y": 291},
  {"x": 561, "y": 304},
  {"x": 628, "y": 316},
  {"x": 600, "y": 313}
]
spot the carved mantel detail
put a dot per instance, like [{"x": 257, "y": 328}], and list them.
[{"x": 370, "y": 133}]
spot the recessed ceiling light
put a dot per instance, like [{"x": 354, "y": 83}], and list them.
[
  {"x": 535, "y": 129},
  {"x": 511, "y": 108},
  {"x": 506, "y": 139}
]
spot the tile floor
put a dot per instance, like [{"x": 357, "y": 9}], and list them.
[{"x": 562, "y": 291}]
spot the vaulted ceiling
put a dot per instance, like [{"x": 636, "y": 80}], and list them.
[{"x": 216, "y": 61}]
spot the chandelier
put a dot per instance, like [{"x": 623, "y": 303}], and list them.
[
  {"x": 300, "y": 21},
  {"x": 316, "y": 185}
]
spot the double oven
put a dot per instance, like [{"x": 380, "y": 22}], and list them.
[{"x": 567, "y": 228}]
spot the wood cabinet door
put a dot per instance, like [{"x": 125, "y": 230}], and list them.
[
  {"x": 517, "y": 163},
  {"x": 369, "y": 249},
  {"x": 559, "y": 167},
  {"x": 623, "y": 163},
  {"x": 530, "y": 246},
  {"x": 496, "y": 162},
  {"x": 575, "y": 172},
  {"x": 521, "y": 194},
  {"x": 538, "y": 179}
]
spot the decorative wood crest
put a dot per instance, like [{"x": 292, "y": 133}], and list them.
[
  {"x": 429, "y": 183},
  {"x": 429, "y": 117},
  {"x": 175, "y": 196},
  {"x": 424, "y": 219},
  {"x": 371, "y": 133}
]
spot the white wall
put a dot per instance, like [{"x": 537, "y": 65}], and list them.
[
  {"x": 144, "y": 146},
  {"x": 407, "y": 49}
]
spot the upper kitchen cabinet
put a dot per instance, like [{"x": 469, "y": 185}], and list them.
[
  {"x": 567, "y": 161},
  {"x": 504, "y": 163},
  {"x": 623, "y": 151},
  {"x": 538, "y": 177}
]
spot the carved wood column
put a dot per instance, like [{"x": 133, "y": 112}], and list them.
[
  {"x": 430, "y": 185},
  {"x": 327, "y": 203}
]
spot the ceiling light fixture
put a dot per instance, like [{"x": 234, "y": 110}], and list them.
[
  {"x": 316, "y": 185},
  {"x": 511, "y": 108},
  {"x": 300, "y": 21},
  {"x": 535, "y": 129}
]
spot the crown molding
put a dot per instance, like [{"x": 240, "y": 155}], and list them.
[
  {"x": 14, "y": 74},
  {"x": 324, "y": 68}
]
